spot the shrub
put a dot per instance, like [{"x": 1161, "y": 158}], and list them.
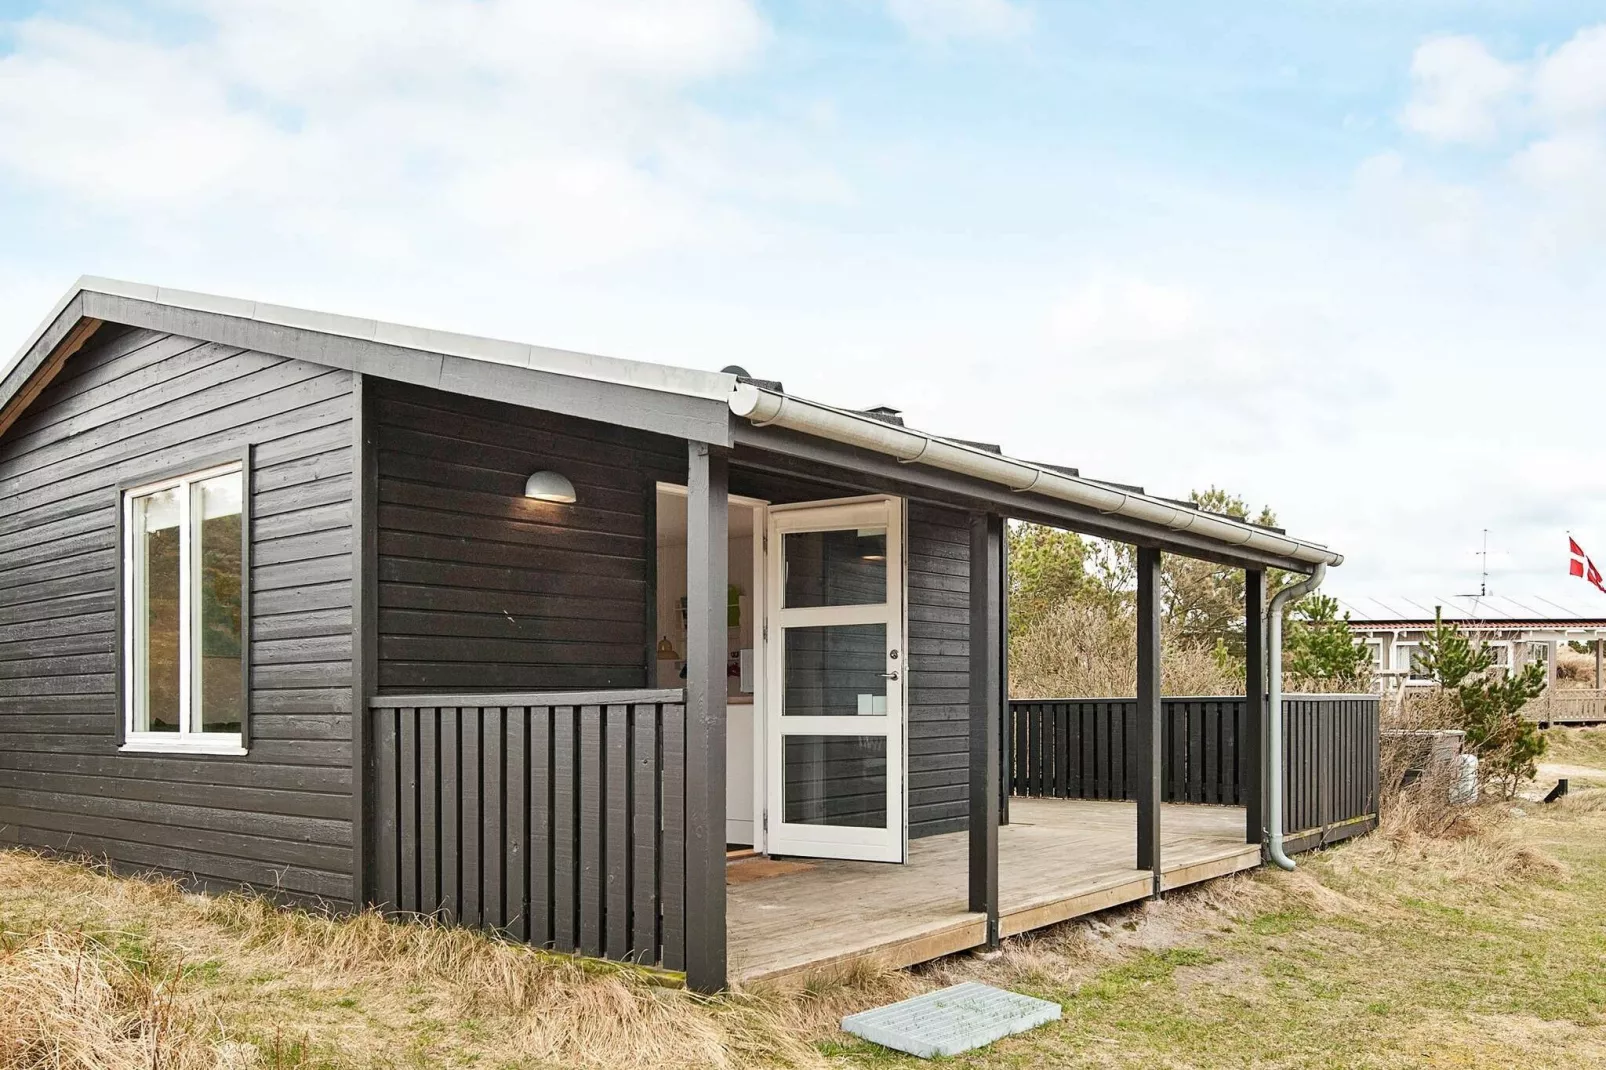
[
  {"x": 1090, "y": 651},
  {"x": 1488, "y": 705},
  {"x": 1321, "y": 653}
]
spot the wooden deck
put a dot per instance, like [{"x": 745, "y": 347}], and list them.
[{"x": 1058, "y": 859}]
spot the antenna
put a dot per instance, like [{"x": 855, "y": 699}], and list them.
[
  {"x": 1483, "y": 554},
  {"x": 1483, "y": 581}
]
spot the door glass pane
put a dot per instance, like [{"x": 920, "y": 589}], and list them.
[
  {"x": 156, "y": 612},
  {"x": 835, "y": 671},
  {"x": 836, "y": 780},
  {"x": 215, "y": 509},
  {"x": 847, "y": 567}
]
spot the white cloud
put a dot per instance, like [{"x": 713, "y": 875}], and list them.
[
  {"x": 572, "y": 174},
  {"x": 1117, "y": 312},
  {"x": 945, "y": 20},
  {"x": 1565, "y": 162},
  {"x": 1570, "y": 83},
  {"x": 1459, "y": 90},
  {"x": 561, "y": 132},
  {"x": 1148, "y": 356},
  {"x": 1544, "y": 117},
  {"x": 1401, "y": 198}
]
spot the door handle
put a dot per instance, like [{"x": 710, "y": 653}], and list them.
[{"x": 893, "y": 675}]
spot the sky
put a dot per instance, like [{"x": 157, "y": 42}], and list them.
[{"x": 1348, "y": 260}]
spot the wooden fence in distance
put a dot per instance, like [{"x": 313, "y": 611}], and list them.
[{"x": 1568, "y": 705}]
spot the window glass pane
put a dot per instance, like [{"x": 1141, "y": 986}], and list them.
[
  {"x": 836, "y": 780},
  {"x": 1411, "y": 658},
  {"x": 155, "y": 530},
  {"x": 215, "y": 512},
  {"x": 836, "y": 671},
  {"x": 836, "y": 568}
]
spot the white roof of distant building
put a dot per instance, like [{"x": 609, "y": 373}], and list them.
[{"x": 1523, "y": 608}]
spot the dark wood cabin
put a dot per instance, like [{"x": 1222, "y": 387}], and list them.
[{"x": 561, "y": 645}]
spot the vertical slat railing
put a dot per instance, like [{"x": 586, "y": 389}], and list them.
[
  {"x": 554, "y": 819},
  {"x": 1081, "y": 749}
]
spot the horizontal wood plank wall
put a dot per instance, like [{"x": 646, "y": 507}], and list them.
[
  {"x": 939, "y": 669},
  {"x": 483, "y": 588},
  {"x": 559, "y": 824},
  {"x": 1082, "y": 749},
  {"x": 132, "y": 404}
]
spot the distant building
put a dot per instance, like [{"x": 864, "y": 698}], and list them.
[{"x": 1518, "y": 629}]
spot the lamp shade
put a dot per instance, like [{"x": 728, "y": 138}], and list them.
[{"x": 549, "y": 487}]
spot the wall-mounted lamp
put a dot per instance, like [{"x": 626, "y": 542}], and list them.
[{"x": 549, "y": 487}]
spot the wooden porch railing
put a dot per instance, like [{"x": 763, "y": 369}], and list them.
[
  {"x": 1086, "y": 749},
  {"x": 1568, "y": 705},
  {"x": 1330, "y": 767},
  {"x": 558, "y": 819}
]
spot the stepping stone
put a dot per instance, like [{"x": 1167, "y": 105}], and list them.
[{"x": 951, "y": 1020}]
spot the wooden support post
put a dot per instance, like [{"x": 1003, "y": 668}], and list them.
[
  {"x": 986, "y": 624},
  {"x": 1006, "y": 727},
  {"x": 364, "y": 634},
  {"x": 1598, "y": 684},
  {"x": 1253, "y": 745},
  {"x": 1147, "y": 785},
  {"x": 707, "y": 547}
]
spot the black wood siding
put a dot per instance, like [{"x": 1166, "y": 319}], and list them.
[
  {"x": 939, "y": 669},
  {"x": 481, "y": 588},
  {"x": 131, "y": 404}
]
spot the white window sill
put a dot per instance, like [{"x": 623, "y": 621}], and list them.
[{"x": 229, "y": 746}]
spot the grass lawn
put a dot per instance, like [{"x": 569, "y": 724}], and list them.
[
  {"x": 1576, "y": 746},
  {"x": 1485, "y": 948}
]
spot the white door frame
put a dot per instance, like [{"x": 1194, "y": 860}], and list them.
[
  {"x": 760, "y": 660},
  {"x": 889, "y": 844}
]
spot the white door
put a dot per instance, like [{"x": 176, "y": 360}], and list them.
[{"x": 836, "y": 680}]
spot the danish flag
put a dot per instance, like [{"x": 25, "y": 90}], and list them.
[{"x": 1582, "y": 567}]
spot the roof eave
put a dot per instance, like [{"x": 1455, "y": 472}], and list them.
[
  {"x": 683, "y": 403},
  {"x": 1027, "y": 480}
]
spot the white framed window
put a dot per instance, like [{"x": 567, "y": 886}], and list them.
[
  {"x": 1410, "y": 659},
  {"x": 185, "y": 612}
]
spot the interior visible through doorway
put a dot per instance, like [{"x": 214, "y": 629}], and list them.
[{"x": 744, "y": 633}]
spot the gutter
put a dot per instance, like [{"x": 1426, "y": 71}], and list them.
[
  {"x": 1274, "y": 715},
  {"x": 769, "y": 408}
]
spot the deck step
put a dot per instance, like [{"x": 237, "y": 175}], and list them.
[{"x": 951, "y": 1020}]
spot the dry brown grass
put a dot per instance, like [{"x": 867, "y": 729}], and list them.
[
  {"x": 69, "y": 1000},
  {"x": 1406, "y": 747},
  {"x": 1084, "y": 651},
  {"x": 115, "y": 974},
  {"x": 1574, "y": 668},
  {"x": 101, "y": 972},
  {"x": 1576, "y": 746}
]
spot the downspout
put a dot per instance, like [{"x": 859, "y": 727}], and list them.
[{"x": 1274, "y": 711}]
